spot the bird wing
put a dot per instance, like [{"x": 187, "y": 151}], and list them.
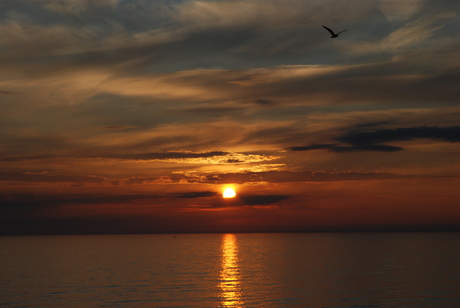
[
  {"x": 342, "y": 31},
  {"x": 330, "y": 31}
]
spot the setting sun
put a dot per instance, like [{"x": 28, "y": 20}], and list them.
[{"x": 229, "y": 192}]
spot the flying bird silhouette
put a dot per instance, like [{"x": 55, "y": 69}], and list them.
[{"x": 334, "y": 35}]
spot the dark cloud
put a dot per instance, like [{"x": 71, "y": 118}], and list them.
[
  {"x": 329, "y": 146},
  {"x": 340, "y": 149},
  {"x": 372, "y": 124},
  {"x": 118, "y": 127},
  {"x": 38, "y": 205},
  {"x": 264, "y": 102},
  {"x": 234, "y": 161},
  {"x": 48, "y": 178},
  {"x": 170, "y": 155},
  {"x": 198, "y": 194},
  {"x": 372, "y": 141},
  {"x": 139, "y": 180},
  {"x": 25, "y": 158},
  {"x": 262, "y": 199},
  {"x": 215, "y": 109},
  {"x": 9, "y": 92},
  {"x": 247, "y": 200},
  {"x": 448, "y": 134}
]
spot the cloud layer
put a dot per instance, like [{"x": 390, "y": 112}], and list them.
[{"x": 109, "y": 107}]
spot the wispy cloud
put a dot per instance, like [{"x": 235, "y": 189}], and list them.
[
  {"x": 396, "y": 10},
  {"x": 215, "y": 157}
]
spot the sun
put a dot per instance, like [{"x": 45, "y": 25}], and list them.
[{"x": 229, "y": 192}]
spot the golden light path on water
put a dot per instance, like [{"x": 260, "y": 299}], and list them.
[{"x": 230, "y": 276}]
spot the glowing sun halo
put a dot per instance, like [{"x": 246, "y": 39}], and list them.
[{"x": 229, "y": 193}]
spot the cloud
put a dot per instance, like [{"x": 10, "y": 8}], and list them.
[
  {"x": 48, "y": 178},
  {"x": 262, "y": 199},
  {"x": 171, "y": 155},
  {"x": 140, "y": 180},
  {"x": 396, "y": 10},
  {"x": 118, "y": 127},
  {"x": 448, "y": 134},
  {"x": 78, "y": 7},
  {"x": 92, "y": 205},
  {"x": 31, "y": 203},
  {"x": 215, "y": 157},
  {"x": 339, "y": 149},
  {"x": 371, "y": 83},
  {"x": 418, "y": 31},
  {"x": 9, "y": 92},
  {"x": 146, "y": 36},
  {"x": 282, "y": 176},
  {"x": 372, "y": 141},
  {"x": 198, "y": 194}
]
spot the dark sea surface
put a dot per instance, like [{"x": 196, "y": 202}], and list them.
[{"x": 231, "y": 270}]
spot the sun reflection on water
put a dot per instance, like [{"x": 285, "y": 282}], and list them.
[{"x": 230, "y": 276}]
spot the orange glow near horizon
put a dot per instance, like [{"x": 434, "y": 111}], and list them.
[{"x": 229, "y": 192}]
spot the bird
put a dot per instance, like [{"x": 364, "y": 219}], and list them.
[{"x": 334, "y": 35}]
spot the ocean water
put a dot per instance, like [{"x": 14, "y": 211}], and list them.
[{"x": 231, "y": 270}]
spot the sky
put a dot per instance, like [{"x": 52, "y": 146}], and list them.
[{"x": 133, "y": 116}]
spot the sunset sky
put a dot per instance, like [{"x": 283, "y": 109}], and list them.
[{"x": 133, "y": 116}]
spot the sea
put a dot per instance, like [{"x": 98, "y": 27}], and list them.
[{"x": 231, "y": 270}]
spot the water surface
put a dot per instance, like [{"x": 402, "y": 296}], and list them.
[{"x": 231, "y": 270}]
